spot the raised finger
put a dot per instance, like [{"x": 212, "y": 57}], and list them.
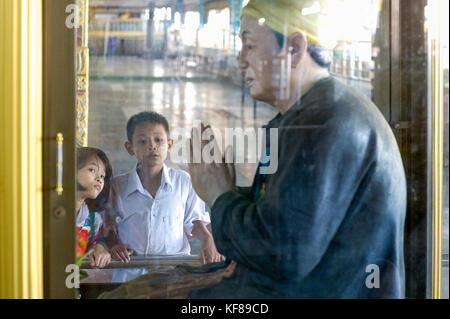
[
  {"x": 119, "y": 255},
  {"x": 103, "y": 261},
  {"x": 194, "y": 133},
  {"x": 196, "y": 143},
  {"x": 202, "y": 255},
  {"x": 204, "y": 128},
  {"x": 92, "y": 260},
  {"x": 190, "y": 149},
  {"x": 115, "y": 255},
  {"x": 231, "y": 169},
  {"x": 128, "y": 253},
  {"x": 205, "y": 142},
  {"x": 123, "y": 255},
  {"x": 98, "y": 261}
]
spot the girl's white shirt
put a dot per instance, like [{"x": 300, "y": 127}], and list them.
[{"x": 83, "y": 215}]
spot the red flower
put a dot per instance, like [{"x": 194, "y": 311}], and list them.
[{"x": 82, "y": 241}]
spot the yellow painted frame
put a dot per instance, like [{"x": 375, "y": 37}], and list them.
[
  {"x": 21, "y": 182},
  {"x": 437, "y": 171},
  {"x": 437, "y": 113}
]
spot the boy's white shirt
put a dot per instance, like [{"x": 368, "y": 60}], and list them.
[{"x": 160, "y": 225}]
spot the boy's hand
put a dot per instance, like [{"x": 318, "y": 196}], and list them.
[
  {"x": 209, "y": 253},
  {"x": 99, "y": 257},
  {"x": 121, "y": 253}
]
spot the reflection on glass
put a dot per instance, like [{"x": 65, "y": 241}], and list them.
[
  {"x": 185, "y": 67},
  {"x": 147, "y": 59}
]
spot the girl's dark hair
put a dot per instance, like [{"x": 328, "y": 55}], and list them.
[
  {"x": 319, "y": 54},
  {"x": 83, "y": 155}
]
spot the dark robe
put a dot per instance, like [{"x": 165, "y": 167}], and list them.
[{"x": 329, "y": 223}]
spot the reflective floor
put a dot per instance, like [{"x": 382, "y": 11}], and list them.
[{"x": 123, "y": 86}]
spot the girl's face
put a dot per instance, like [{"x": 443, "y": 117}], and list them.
[{"x": 92, "y": 178}]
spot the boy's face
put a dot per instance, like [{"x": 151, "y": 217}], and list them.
[{"x": 150, "y": 144}]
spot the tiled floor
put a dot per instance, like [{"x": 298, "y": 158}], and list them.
[{"x": 123, "y": 86}]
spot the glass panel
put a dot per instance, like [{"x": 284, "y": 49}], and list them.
[{"x": 322, "y": 209}]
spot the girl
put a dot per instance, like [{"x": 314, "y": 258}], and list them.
[{"x": 94, "y": 174}]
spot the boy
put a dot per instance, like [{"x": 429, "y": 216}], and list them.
[{"x": 156, "y": 208}]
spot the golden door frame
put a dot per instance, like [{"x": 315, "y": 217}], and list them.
[
  {"x": 83, "y": 74},
  {"x": 437, "y": 148}
]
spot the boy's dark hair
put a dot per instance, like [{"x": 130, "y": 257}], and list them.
[
  {"x": 83, "y": 155},
  {"x": 145, "y": 117}
]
